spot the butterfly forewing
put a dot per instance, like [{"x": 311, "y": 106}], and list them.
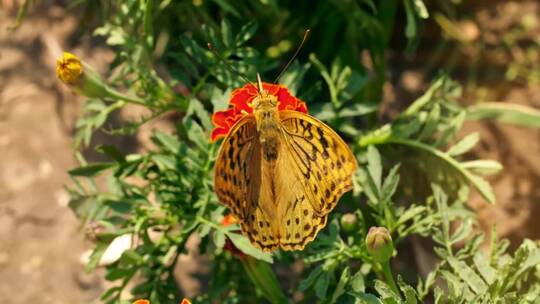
[
  {"x": 238, "y": 182},
  {"x": 323, "y": 159}
]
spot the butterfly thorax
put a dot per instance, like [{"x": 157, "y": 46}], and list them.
[{"x": 267, "y": 118}]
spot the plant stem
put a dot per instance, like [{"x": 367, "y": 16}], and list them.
[{"x": 388, "y": 277}]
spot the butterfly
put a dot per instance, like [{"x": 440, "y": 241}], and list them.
[{"x": 281, "y": 172}]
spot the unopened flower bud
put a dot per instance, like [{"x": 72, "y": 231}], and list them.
[
  {"x": 84, "y": 80},
  {"x": 69, "y": 69},
  {"x": 349, "y": 222},
  {"x": 379, "y": 244},
  {"x": 80, "y": 76}
]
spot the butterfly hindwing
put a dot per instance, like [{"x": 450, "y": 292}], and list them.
[{"x": 323, "y": 159}]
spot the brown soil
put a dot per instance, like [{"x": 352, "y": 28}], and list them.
[{"x": 40, "y": 243}]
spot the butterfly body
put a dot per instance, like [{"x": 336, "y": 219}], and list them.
[{"x": 281, "y": 173}]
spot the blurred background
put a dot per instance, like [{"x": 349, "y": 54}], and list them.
[{"x": 491, "y": 47}]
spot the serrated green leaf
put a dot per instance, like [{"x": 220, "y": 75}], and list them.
[
  {"x": 468, "y": 275},
  {"x": 488, "y": 273},
  {"x": 463, "y": 231},
  {"x": 390, "y": 183},
  {"x": 408, "y": 292},
  {"x": 386, "y": 292},
  {"x": 167, "y": 141}
]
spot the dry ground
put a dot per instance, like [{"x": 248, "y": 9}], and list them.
[{"x": 40, "y": 244}]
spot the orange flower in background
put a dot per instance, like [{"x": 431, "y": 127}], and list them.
[
  {"x": 240, "y": 101},
  {"x": 142, "y": 301},
  {"x": 228, "y": 220}
]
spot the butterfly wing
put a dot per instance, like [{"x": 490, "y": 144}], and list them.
[
  {"x": 238, "y": 179},
  {"x": 322, "y": 159}
]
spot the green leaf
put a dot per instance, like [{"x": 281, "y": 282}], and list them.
[
  {"x": 483, "y": 166},
  {"x": 408, "y": 292},
  {"x": 420, "y": 9},
  {"x": 358, "y": 109},
  {"x": 224, "y": 4},
  {"x": 386, "y": 292},
  {"x": 418, "y": 104},
  {"x": 480, "y": 184},
  {"x": 242, "y": 243},
  {"x": 432, "y": 121},
  {"x": 112, "y": 152},
  {"x": 519, "y": 115},
  {"x": 96, "y": 255},
  {"x": 488, "y": 273},
  {"x": 90, "y": 170},
  {"x": 246, "y": 32},
  {"x": 226, "y": 33},
  {"x": 365, "y": 298},
  {"x": 310, "y": 280},
  {"x": 390, "y": 183},
  {"x": 357, "y": 282},
  {"x": 321, "y": 286},
  {"x": 375, "y": 166},
  {"x": 167, "y": 141},
  {"x": 468, "y": 275},
  {"x": 343, "y": 280},
  {"x": 464, "y": 145},
  {"x": 462, "y": 232}
]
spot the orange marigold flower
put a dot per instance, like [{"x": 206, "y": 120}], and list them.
[
  {"x": 240, "y": 102},
  {"x": 228, "y": 220},
  {"x": 185, "y": 301},
  {"x": 141, "y": 301}
]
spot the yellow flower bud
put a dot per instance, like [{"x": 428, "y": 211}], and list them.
[
  {"x": 84, "y": 80},
  {"x": 69, "y": 69}
]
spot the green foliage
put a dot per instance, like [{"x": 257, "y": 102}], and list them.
[{"x": 413, "y": 177}]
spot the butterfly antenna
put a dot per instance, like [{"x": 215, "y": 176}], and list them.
[
  {"x": 229, "y": 67},
  {"x": 306, "y": 33}
]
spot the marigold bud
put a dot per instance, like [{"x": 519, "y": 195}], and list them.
[
  {"x": 69, "y": 69},
  {"x": 379, "y": 244},
  {"x": 82, "y": 78},
  {"x": 349, "y": 222}
]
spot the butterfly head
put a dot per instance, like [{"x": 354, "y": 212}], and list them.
[{"x": 264, "y": 102}]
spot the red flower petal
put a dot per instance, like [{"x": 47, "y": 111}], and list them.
[{"x": 240, "y": 101}]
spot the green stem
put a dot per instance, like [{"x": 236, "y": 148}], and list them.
[
  {"x": 388, "y": 277},
  {"x": 264, "y": 278},
  {"x": 114, "y": 94}
]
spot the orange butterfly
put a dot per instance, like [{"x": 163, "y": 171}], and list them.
[{"x": 280, "y": 171}]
